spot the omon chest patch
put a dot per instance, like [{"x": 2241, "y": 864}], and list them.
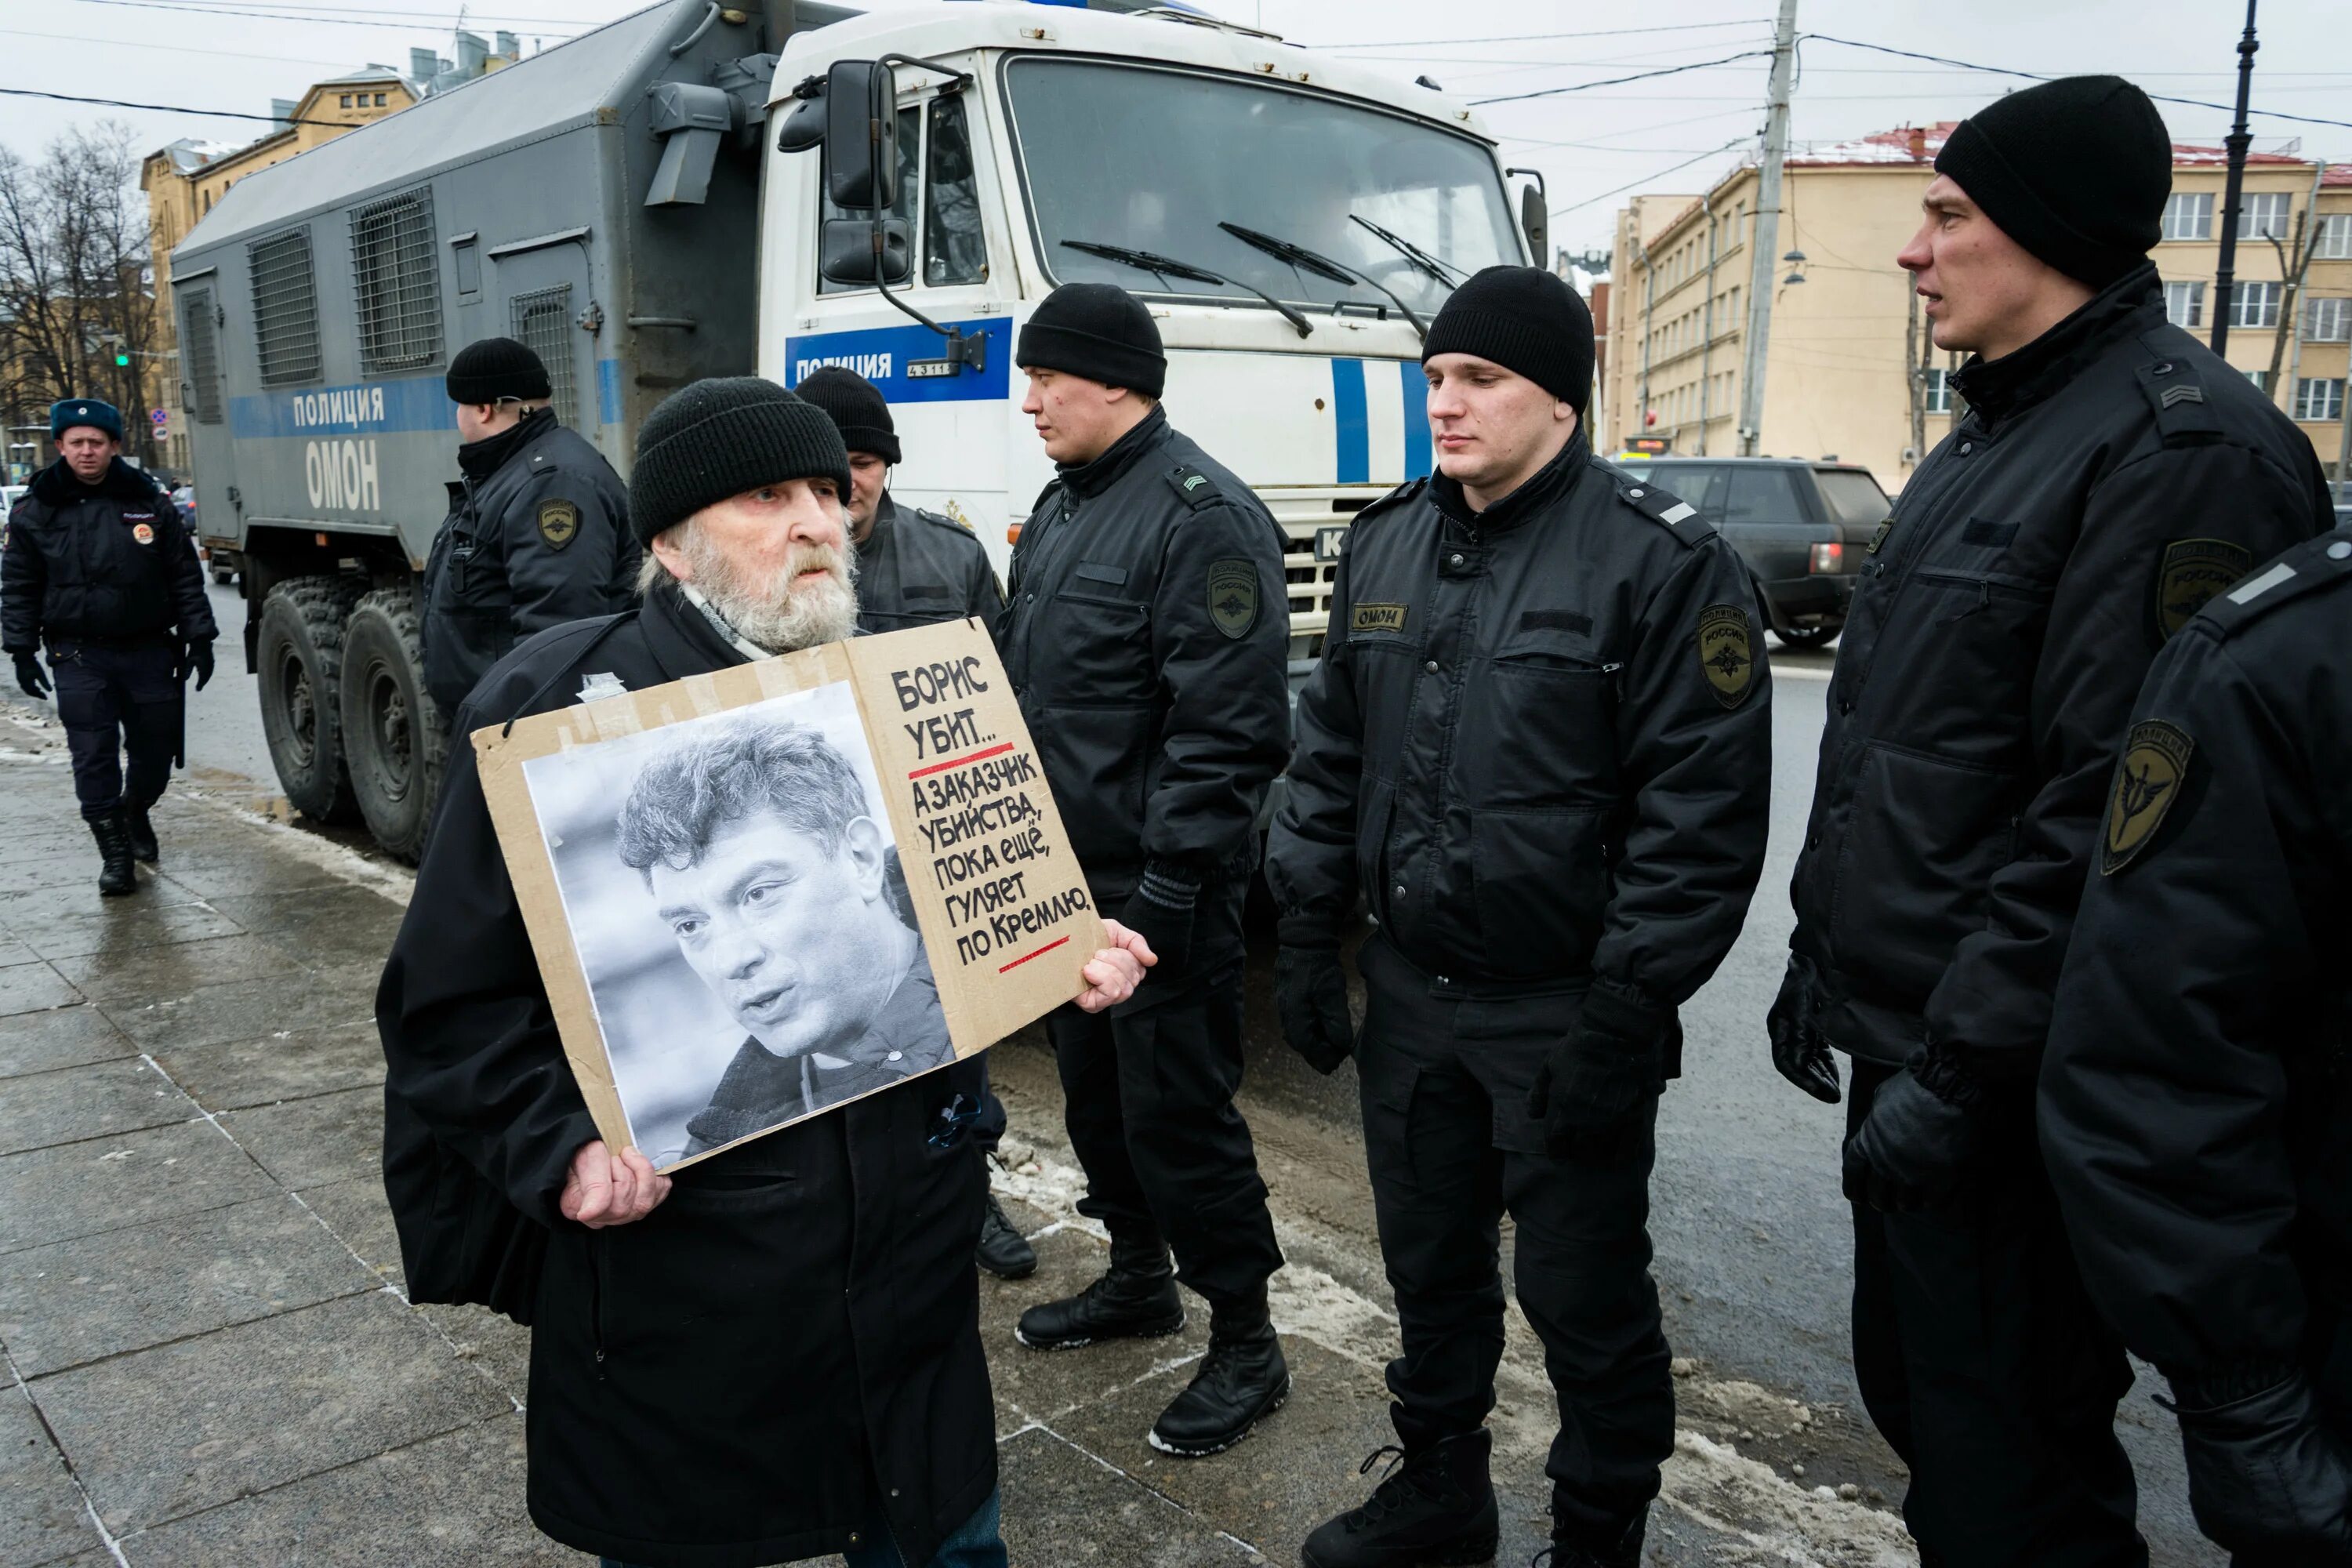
[
  {"x": 2153, "y": 769},
  {"x": 1233, "y": 596},
  {"x": 1376, "y": 618},
  {"x": 1726, "y": 653}
]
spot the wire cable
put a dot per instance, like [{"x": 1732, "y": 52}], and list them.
[
  {"x": 1539, "y": 37},
  {"x": 174, "y": 108},
  {"x": 1657, "y": 174},
  {"x": 1621, "y": 80}
]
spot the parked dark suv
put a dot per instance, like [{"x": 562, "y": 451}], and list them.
[{"x": 1802, "y": 527}]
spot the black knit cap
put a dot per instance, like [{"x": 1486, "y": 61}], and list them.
[
  {"x": 719, "y": 437},
  {"x": 494, "y": 368},
  {"x": 1525, "y": 319},
  {"x": 2077, "y": 171},
  {"x": 1099, "y": 331},
  {"x": 857, "y": 408}
]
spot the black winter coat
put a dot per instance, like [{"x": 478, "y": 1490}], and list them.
[
  {"x": 541, "y": 540},
  {"x": 2197, "y": 1094},
  {"x": 2108, "y": 478},
  {"x": 917, "y": 568},
  {"x": 99, "y": 563},
  {"x": 721, "y": 1384},
  {"x": 1148, "y": 633},
  {"x": 1539, "y": 740}
]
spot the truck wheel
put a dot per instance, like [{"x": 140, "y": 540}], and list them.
[
  {"x": 393, "y": 741},
  {"x": 298, "y": 652}
]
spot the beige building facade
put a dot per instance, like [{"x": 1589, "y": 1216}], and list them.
[{"x": 1849, "y": 372}]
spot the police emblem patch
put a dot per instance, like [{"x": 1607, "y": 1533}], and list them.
[
  {"x": 1376, "y": 618},
  {"x": 559, "y": 521},
  {"x": 1726, "y": 653},
  {"x": 1233, "y": 596},
  {"x": 2147, "y": 781},
  {"x": 144, "y": 533},
  {"x": 2194, "y": 570}
]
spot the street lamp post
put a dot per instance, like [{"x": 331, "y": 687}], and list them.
[{"x": 2233, "y": 191}]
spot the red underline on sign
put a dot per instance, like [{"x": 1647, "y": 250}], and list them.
[
  {"x": 959, "y": 761},
  {"x": 1025, "y": 957}
]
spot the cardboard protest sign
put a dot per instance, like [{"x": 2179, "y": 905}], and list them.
[{"x": 764, "y": 892}]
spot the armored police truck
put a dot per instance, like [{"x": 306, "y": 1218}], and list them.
[{"x": 697, "y": 190}]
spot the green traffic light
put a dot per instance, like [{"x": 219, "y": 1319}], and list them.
[{"x": 122, "y": 362}]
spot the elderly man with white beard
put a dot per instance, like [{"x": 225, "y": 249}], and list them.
[{"x": 774, "y": 1354}]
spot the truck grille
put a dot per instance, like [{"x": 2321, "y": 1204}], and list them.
[
  {"x": 285, "y": 307},
  {"x": 397, "y": 282},
  {"x": 1303, "y": 514}
]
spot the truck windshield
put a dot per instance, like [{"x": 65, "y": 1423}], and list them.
[{"x": 1158, "y": 160}]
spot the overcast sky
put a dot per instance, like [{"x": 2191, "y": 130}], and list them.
[{"x": 240, "y": 54}]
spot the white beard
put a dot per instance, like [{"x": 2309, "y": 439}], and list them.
[{"x": 768, "y": 613}]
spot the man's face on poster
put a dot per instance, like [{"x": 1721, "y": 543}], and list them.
[{"x": 789, "y": 934}]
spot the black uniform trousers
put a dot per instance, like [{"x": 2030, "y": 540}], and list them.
[
  {"x": 113, "y": 698},
  {"x": 1148, "y": 1089},
  {"x": 1984, "y": 1364},
  {"x": 1452, "y": 1148}
]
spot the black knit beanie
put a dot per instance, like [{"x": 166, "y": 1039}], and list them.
[
  {"x": 494, "y": 368},
  {"x": 1099, "y": 331},
  {"x": 719, "y": 437},
  {"x": 1525, "y": 319},
  {"x": 857, "y": 409},
  {"x": 2077, "y": 171}
]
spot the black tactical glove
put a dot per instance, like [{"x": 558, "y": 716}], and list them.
[
  {"x": 196, "y": 654},
  {"x": 31, "y": 676},
  {"x": 1590, "y": 1091},
  {"x": 1310, "y": 993},
  {"x": 1161, "y": 908},
  {"x": 1797, "y": 1048},
  {"x": 1913, "y": 1150},
  {"x": 2266, "y": 1480}
]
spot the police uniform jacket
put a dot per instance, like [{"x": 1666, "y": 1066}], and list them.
[
  {"x": 2196, "y": 1101},
  {"x": 1539, "y": 740},
  {"x": 541, "y": 540},
  {"x": 1147, "y": 634},
  {"x": 2107, "y": 478},
  {"x": 917, "y": 568},
  {"x": 105, "y": 563},
  {"x": 710, "y": 1386}
]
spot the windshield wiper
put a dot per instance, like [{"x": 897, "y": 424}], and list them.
[
  {"x": 1167, "y": 267},
  {"x": 1412, "y": 252},
  {"x": 1321, "y": 265}
]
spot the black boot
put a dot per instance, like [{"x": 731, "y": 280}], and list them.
[
  {"x": 1005, "y": 1251},
  {"x": 1584, "y": 1548},
  {"x": 143, "y": 833},
  {"x": 1434, "y": 1506},
  {"x": 1243, "y": 1378},
  {"x": 115, "y": 873},
  {"x": 1136, "y": 1300}
]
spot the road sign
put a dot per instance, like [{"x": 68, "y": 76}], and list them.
[{"x": 160, "y": 415}]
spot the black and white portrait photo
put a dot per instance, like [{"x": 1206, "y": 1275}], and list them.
[{"x": 738, "y": 911}]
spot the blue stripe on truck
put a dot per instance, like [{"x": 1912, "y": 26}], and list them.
[
  {"x": 608, "y": 391},
  {"x": 1354, "y": 429},
  {"x": 1416, "y": 419},
  {"x": 883, "y": 355},
  {"x": 364, "y": 408}
]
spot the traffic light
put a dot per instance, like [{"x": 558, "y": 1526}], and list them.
[{"x": 122, "y": 358}]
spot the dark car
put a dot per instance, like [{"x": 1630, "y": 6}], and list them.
[{"x": 1802, "y": 527}]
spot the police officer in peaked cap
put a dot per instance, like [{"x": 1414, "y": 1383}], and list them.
[
  {"x": 2110, "y": 475},
  {"x": 537, "y": 532},
  {"x": 1538, "y": 745},
  {"x": 916, "y": 568},
  {"x": 2197, "y": 1092},
  {"x": 1148, "y": 637},
  {"x": 97, "y": 564}
]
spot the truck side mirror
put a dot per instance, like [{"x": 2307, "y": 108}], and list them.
[
  {"x": 861, "y": 135},
  {"x": 849, "y": 253},
  {"x": 803, "y": 126},
  {"x": 1536, "y": 221}
]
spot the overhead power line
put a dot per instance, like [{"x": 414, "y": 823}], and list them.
[
  {"x": 1621, "y": 80},
  {"x": 170, "y": 48},
  {"x": 1654, "y": 175},
  {"x": 2040, "y": 76},
  {"x": 406, "y": 22},
  {"x": 1538, "y": 37},
  {"x": 170, "y": 108}
]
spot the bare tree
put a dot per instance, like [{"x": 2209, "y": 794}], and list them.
[{"x": 76, "y": 285}]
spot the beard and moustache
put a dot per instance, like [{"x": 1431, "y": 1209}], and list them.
[{"x": 766, "y": 610}]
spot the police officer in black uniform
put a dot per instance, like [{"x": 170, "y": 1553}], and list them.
[
  {"x": 2196, "y": 1093},
  {"x": 2110, "y": 476},
  {"x": 537, "y": 532},
  {"x": 916, "y": 568},
  {"x": 1538, "y": 745},
  {"x": 1147, "y": 636},
  {"x": 97, "y": 563}
]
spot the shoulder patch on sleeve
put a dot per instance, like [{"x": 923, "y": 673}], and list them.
[
  {"x": 2185, "y": 415},
  {"x": 2149, "y": 778},
  {"x": 1233, "y": 596},
  {"x": 1726, "y": 653},
  {"x": 1668, "y": 511},
  {"x": 2193, "y": 572},
  {"x": 1193, "y": 487},
  {"x": 559, "y": 522}
]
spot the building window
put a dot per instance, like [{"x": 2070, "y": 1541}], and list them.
[
  {"x": 2263, "y": 215},
  {"x": 2317, "y": 400},
  {"x": 200, "y": 348},
  {"x": 347, "y": 101},
  {"x": 541, "y": 322},
  {"x": 2254, "y": 304},
  {"x": 2188, "y": 215},
  {"x": 396, "y": 278},
  {"x": 2328, "y": 320},
  {"x": 379, "y": 100},
  {"x": 285, "y": 307},
  {"x": 2334, "y": 241},
  {"x": 2261, "y": 378},
  {"x": 955, "y": 250},
  {"x": 2184, "y": 304},
  {"x": 1939, "y": 391}
]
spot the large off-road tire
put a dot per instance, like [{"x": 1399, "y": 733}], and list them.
[
  {"x": 299, "y": 655},
  {"x": 393, "y": 739}
]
